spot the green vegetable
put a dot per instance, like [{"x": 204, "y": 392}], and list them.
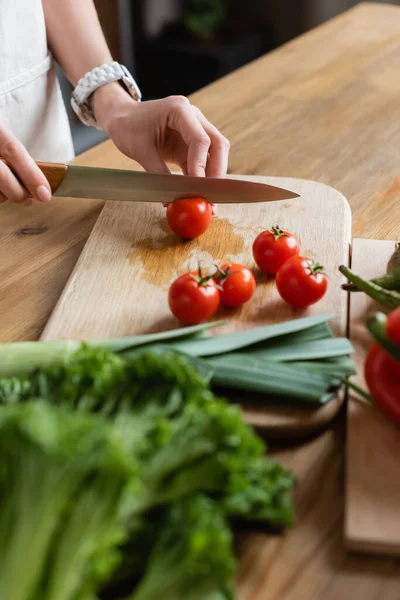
[
  {"x": 97, "y": 380},
  {"x": 231, "y": 342},
  {"x": 135, "y": 498},
  {"x": 393, "y": 266},
  {"x": 332, "y": 366},
  {"x": 362, "y": 393},
  {"x": 388, "y": 298},
  {"x": 21, "y": 358},
  {"x": 62, "y": 480},
  {"x": 315, "y": 350},
  {"x": 127, "y": 343},
  {"x": 389, "y": 281},
  {"x": 187, "y": 440},
  {"x": 211, "y": 449},
  {"x": 241, "y": 360},
  {"x": 192, "y": 558},
  {"x": 275, "y": 380},
  {"x": 139, "y": 491},
  {"x": 376, "y": 325},
  {"x": 260, "y": 492}
]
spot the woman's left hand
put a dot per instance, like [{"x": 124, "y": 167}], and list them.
[{"x": 158, "y": 132}]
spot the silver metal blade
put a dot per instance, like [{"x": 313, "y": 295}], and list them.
[{"x": 138, "y": 186}]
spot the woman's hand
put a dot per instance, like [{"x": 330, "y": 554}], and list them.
[
  {"x": 160, "y": 131},
  {"x": 30, "y": 183}
]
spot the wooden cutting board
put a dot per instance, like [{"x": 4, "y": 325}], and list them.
[
  {"x": 372, "y": 522},
  {"x": 120, "y": 283}
]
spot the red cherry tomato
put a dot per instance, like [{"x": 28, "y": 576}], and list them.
[
  {"x": 193, "y": 298},
  {"x": 272, "y": 248},
  {"x": 301, "y": 282},
  {"x": 393, "y": 326},
  {"x": 382, "y": 374},
  {"x": 190, "y": 217},
  {"x": 237, "y": 284},
  {"x": 213, "y": 206}
]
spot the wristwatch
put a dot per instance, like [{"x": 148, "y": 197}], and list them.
[{"x": 91, "y": 81}]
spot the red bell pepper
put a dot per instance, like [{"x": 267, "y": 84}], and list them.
[{"x": 382, "y": 366}]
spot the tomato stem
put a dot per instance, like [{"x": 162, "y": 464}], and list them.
[
  {"x": 277, "y": 232},
  {"x": 316, "y": 268},
  {"x": 200, "y": 279},
  {"x": 224, "y": 273},
  {"x": 376, "y": 324}
]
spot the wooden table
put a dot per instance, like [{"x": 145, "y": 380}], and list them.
[{"x": 324, "y": 107}]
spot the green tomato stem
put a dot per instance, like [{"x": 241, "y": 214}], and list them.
[
  {"x": 277, "y": 232},
  {"x": 316, "y": 268}
]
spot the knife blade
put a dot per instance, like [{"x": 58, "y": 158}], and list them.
[{"x": 72, "y": 181}]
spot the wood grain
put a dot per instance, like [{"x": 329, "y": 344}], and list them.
[
  {"x": 324, "y": 107},
  {"x": 372, "y": 521},
  {"x": 37, "y": 249},
  {"x": 120, "y": 284}
]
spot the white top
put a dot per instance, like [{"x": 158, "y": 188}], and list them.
[{"x": 31, "y": 104}]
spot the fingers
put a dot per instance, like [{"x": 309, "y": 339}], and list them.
[
  {"x": 10, "y": 186},
  {"x": 217, "y": 163},
  {"x": 153, "y": 163},
  {"x": 208, "y": 149},
  {"x": 183, "y": 120},
  {"x": 23, "y": 180}
]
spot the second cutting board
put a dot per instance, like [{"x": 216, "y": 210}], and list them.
[
  {"x": 120, "y": 283},
  {"x": 372, "y": 516}
]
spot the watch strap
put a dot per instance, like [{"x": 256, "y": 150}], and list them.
[{"x": 97, "y": 77}]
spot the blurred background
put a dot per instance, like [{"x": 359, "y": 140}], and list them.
[{"x": 179, "y": 46}]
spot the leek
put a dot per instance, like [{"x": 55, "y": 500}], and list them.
[{"x": 299, "y": 359}]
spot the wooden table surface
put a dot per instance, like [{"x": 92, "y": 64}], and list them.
[{"x": 325, "y": 107}]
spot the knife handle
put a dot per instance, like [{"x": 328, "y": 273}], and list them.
[{"x": 54, "y": 173}]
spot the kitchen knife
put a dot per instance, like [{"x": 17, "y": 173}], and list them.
[{"x": 71, "y": 181}]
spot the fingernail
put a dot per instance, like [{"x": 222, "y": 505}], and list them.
[
  {"x": 43, "y": 193},
  {"x": 28, "y": 202}
]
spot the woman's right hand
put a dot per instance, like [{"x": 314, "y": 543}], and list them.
[{"x": 32, "y": 184}]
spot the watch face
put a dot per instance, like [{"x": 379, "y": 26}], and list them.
[{"x": 86, "y": 112}]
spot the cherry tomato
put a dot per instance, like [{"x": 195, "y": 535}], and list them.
[
  {"x": 301, "y": 282},
  {"x": 393, "y": 326},
  {"x": 237, "y": 284},
  {"x": 193, "y": 297},
  {"x": 272, "y": 248},
  {"x": 213, "y": 206},
  {"x": 382, "y": 374},
  {"x": 190, "y": 217}
]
